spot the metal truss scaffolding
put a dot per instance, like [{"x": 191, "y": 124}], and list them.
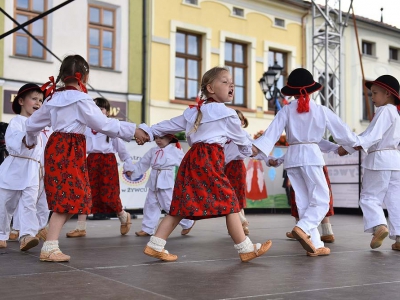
[{"x": 327, "y": 30}]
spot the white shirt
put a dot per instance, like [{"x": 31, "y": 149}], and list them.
[
  {"x": 71, "y": 111},
  {"x": 218, "y": 125},
  {"x": 304, "y": 131},
  {"x": 232, "y": 152},
  {"x": 18, "y": 173},
  {"x": 97, "y": 143},
  {"x": 163, "y": 162},
  {"x": 381, "y": 139}
]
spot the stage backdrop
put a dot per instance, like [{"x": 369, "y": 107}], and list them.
[{"x": 263, "y": 184}]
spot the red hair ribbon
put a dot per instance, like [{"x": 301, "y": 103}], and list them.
[
  {"x": 199, "y": 104},
  {"x": 78, "y": 76},
  {"x": 303, "y": 102},
  {"x": 49, "y": 91}
]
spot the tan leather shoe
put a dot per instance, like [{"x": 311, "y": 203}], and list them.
[
  {"x": 42, "y": 234},
  {"x": 323, "y": 251},
  {"x": 125, "y": 227},
  {"x": 304, "y": 239},
  {"x": 76, "y": 233},
  {"x": 378, "y": 236},
  {"x": 142, "y": 233},
  {"x": 163, "y": 255},
  {"x": 27, "y": 242},
  {"x": 245, "y": 257},
  {"x": 14, "y": 234},
  {"x": 54, "y": 256},
  {"x": 329, "y": 238},
  {"x": 245, "y": 226},
  {"x": 186, "y": 231},
  {"x": 3, "y": 244},
  {"x": 395, "y": 246},
  {"x": 289, "y": 235}
]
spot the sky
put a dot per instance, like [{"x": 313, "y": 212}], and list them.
[{"x": 371, "y": 9}]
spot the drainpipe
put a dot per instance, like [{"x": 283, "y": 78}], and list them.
[
  {"x": 144, "y": 66},
  {"x": 303, "y": 40}
]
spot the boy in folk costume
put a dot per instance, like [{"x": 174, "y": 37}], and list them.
[
  {"x": 103, "y": 175},
  {"x": 305, "y": 123},
  {"x": 20, "y": 171},
  {"x": 381, "y": 179},
  {"x": 202, "y": 189},
  {"x": 162, "y": 159}
]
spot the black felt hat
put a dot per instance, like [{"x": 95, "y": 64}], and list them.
[
  {"x": 16, "y": 107},
  {"x": 389, "y": 83},
  {"x": 300, "y": 81}
]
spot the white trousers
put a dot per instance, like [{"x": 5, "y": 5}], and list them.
[
  {"x": 380, "y": 187},
  {"x": 42, "y": 210},
  {"x": 155, "y": 202},
  {"x": 9, "y": 200},
  {"x": 312, "y": 199}
]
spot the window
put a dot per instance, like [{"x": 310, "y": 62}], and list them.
[
  {"x": 238, "y": 12},
  {"x": 393, "y": 53},
  {"x": 24, "y": 45},
  {"x": 370, "y": 106},
  {"x": 236, "y": 61},
  {"x": 279, "y": 22},
  {"x": 101, "y": 37},
  {"x": 281, "y": 59},
  {"x": 187, "y": 65},
  {"x": 367, "y": 48}
]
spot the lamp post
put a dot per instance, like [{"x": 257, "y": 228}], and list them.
[{"x": 268, "y": 84}]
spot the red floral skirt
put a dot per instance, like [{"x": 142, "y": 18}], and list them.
[
  {"x": 202, "y": 189},
  {"x": 235, "y": 170},
  {"x": 66, "y": 177},
  {"x": 330, "y": 212},
  {"x": 104, "y": 183}
]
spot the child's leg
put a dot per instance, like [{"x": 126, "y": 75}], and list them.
[
  {"x": 80, "y": 228},
  {"x": 151, "y": 212},
  {"x": 42, "y": 207},
  {"x": 247, "y": 250},
  {"x": 393, "y": 206},
  {"x": 8, "y": 205},
  {"x": 28, "y": 219},
  {"x": 326, "y": 231}
]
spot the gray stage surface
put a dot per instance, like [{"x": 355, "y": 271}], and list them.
[{"x": 106, "y": 265}]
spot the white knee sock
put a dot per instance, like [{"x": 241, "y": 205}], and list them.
[
  {"x": 123, "y": 217},
  {"x": 81, "y": 225},
  {"x": 326, "y": 229},
  {"x": 50, "y": 245},
  {"x": 246, "y": 246},
  {"x": 242, "y": 217},
  {"x": 156, "y": 243}
]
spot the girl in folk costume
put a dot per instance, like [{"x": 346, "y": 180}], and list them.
[
  {"x": 305, "y": 123},
  {"x": 68, "y": 111},
  {"x": 103, "y": 175},
  {"x": 42, "y": 208},
  {"x": 235, "y": 170},
  {"x": 202, "y": 189},
  {"x": 162, "y": 159},
  {"x": 381, "y": 179},
  {"x": 20, "y": 171}
]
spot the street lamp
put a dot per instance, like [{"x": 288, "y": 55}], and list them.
[{"x": 268, "y": 82}]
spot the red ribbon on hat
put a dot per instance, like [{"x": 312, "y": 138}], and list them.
[{"x": 303, "y": 102}]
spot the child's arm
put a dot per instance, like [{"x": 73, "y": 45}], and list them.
[
  {"x": 270, "y": 161},
  {"x": 35, "y": 123},
  {"x": 14, "y": 138},
  {"x": 171, "y": 126},
  {"x": 326, "y": 146},
  {"x": 140, "y": 167},
  {"x": 123, "y": 154}
]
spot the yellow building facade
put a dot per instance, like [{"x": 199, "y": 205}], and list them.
[{"x": 188, "y": 37}]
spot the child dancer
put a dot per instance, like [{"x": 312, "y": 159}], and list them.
[
  {"x": 235, "y": 170},
  {"x": 162, "y": 159},
  {"x": 103, "y": 175},
  {"x": 68, "y": 111},
  {"x": 305, "y": 123},
  {"x": 381, "y": 179},
  {"x": 20, "y": 171},
  {"x": 201, "y": 188}
]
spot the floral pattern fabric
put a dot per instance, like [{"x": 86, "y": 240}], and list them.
[
  {"x": 202, "y": 189},
  {"x": 66, "y": 177},
  {"x": 104, "y": 183},
  {"x": 235, "y": 170}
]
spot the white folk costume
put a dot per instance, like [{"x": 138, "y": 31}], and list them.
[
  {"x": 69, "y": 112},
  {"x": 19, "y": 180},
  {"x": 103, "y": 170},
  {"x": 304, "y": 160},
  {"x": 162, "y": 162}
]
